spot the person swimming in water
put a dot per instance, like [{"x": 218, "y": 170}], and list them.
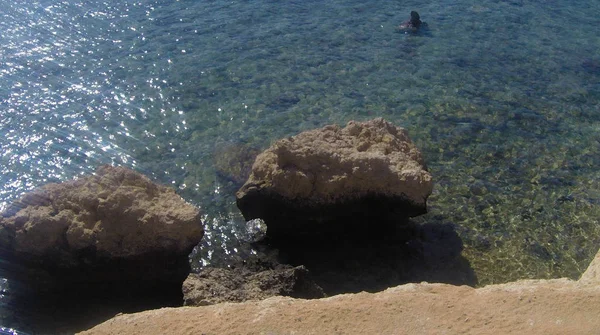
[{"x": 413, "y": 25}]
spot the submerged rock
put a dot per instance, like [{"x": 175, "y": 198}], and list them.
[
  {"x": 367, "y": 170},
  {"x": 233, "y": 161},
  {"x": 591, "y": 66}
]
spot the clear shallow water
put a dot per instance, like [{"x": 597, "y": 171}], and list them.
[{"x": 502, "y": 97}]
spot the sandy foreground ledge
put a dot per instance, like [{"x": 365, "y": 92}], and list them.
[{"x": 557, "y": 306}]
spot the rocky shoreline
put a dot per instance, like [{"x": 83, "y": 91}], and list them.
[
  {"x": 557, "y": 306},
  {"x": 542, "y": 307},
  {"x": 337, "y": 205}
]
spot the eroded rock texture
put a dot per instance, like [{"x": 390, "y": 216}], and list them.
[
  {"x": 215, "y": 285},
  {"x": 115, "y": 216},
  {"x": 113, "y": 236},
  {"x": 367, "y": 170}
]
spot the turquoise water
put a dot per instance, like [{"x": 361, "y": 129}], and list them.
[{"x": 502, "y": 97}]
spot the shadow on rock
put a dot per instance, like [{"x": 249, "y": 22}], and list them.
[
  {"x": 79, "y": 308},
  {"x": 371, "y": 262},
  {"x": 353, "y": 259}
]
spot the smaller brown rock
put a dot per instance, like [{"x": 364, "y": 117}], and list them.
[{"x": 216, "y": 285}]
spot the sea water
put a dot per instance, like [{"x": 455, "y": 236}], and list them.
[{"x": 502, "y": 97}]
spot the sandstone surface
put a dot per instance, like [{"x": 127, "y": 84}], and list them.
[
  {"x": 366, "y": 169},
  {"x": 592, "y": 274},
  {"x": 559, "y": 306}
]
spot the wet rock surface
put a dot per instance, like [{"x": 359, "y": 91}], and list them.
[{"x": 217, "y": 285}]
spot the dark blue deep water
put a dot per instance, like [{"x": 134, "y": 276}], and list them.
[{"x": 502, "y": 97}]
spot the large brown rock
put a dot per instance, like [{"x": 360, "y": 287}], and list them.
[
  {"x": 81, "y": 251},
  {"x": 367, "y": 169},
  {"x": 109, "y": 235}
]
